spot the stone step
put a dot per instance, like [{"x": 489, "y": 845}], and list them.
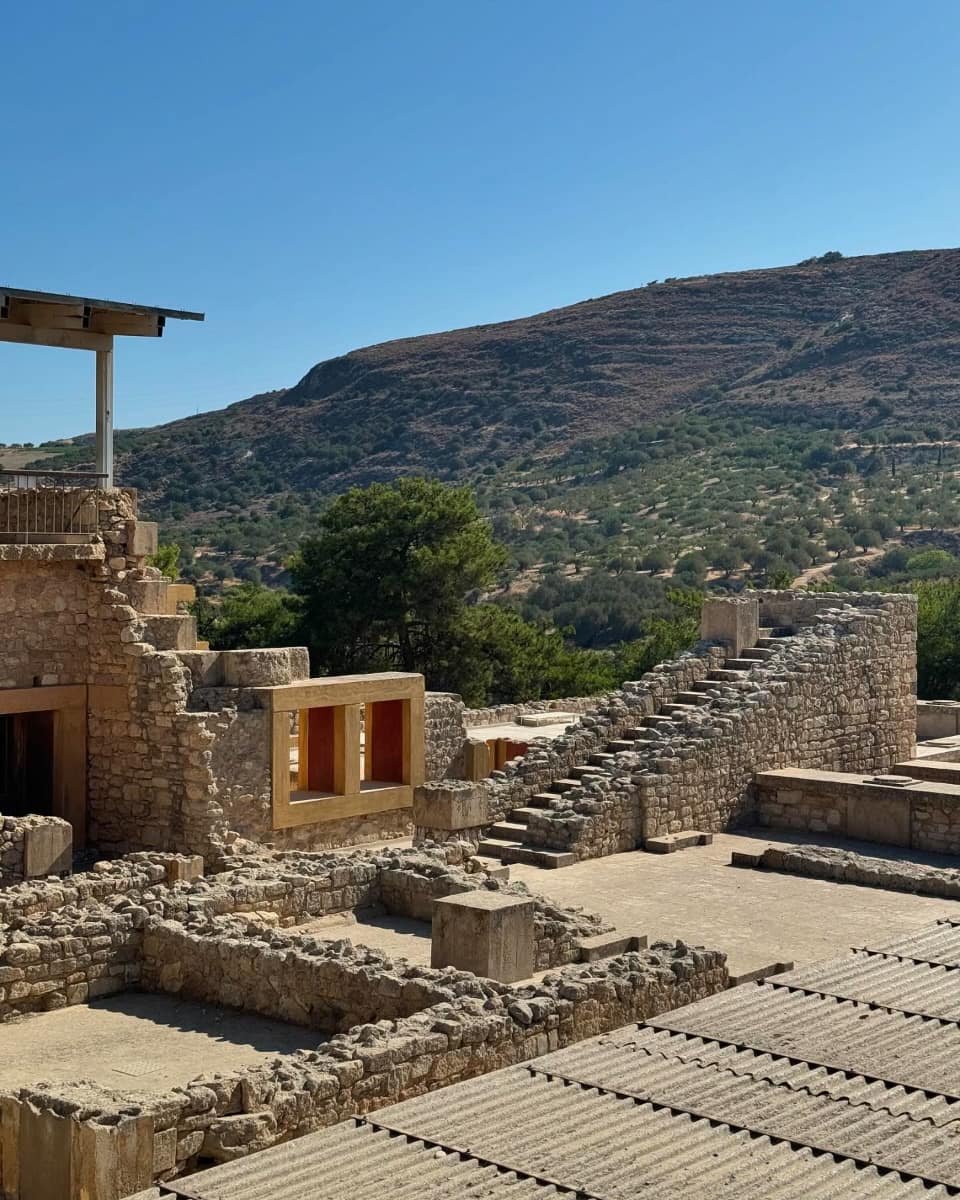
[
  {"x": 171, "y": 633},
  {"x": 618, "y": 745},
  {"x": 585, "y": 772},
  {"x": 602, "y": 760},
  {"x": 683, "y": 840},
  {"x": 535, "y": 856},
  {"x": 565, "y": 785},
  {"x": 491, "y": 847},
  {"x": 675, "y": 709},
  {"x": 521, "y": 816},
  {"x": 772, "y": 643},
  {"x": 739, "y": 664},
  {"x": 544, "y": 800},
  {"x": 508, "y": 831},
  {"x": 757, "y": 653},
  {"x": 691, "y": 697},
  {"x": 656, "y": 719},
  {"x": 723, "y": 675}
]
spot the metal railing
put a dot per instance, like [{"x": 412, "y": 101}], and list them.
[{"x": 49, "y": 506}]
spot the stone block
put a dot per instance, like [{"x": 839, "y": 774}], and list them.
[
  {"x": 879, "y": 819},
  {"x": 477, "y": 759},
  {"x": 256, "y": 668},
  {"x": 732, "y": 620},
  {"x": 48, "y": 849},
  {"x": 606, "y": 945},
  {"x": 488, "y": 933},
  {"x": 743, "y": 858},
  {"x": 144, "y": 539},
  {"x": 184, "y": 868},
  {"x": 451, "y": 805}
]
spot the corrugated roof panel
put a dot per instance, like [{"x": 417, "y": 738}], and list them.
[
  {"x": 620, "y": 1149},
  {"x": 868, "y": 1132},
  {"x": 939, "y": 944},
  {"x": 356, "y": 1161},
  {"x": 913, "y": 987},
  {"x": 580, "y": 1059},
  {"x": 914, "y": 1051}
]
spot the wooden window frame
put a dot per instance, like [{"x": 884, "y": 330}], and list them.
[{"x": 352, "y": 796}]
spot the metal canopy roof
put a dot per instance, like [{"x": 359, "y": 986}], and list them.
[{"x": 52, "y": 311}]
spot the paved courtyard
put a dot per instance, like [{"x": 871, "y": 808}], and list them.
[
  {"x": 757, "y": 917},
  {"x": 140, "y": 1043}
]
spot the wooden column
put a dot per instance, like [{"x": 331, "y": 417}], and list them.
[{"x": 105, "y": 414}]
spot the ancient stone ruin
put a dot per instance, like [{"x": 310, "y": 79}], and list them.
[{"x": 246, "y": 914}]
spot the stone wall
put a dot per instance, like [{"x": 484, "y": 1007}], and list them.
[
  {"x": 838, "y": 695},
  {"x": 846, "y": 866},
  {"x": 231, "y": 1115},
  {"x": 69, "y": 957},
  {"x": 509, "y": 714},
  {"x": 444, "y": 734},
  {"x": 938, "y": 719}
]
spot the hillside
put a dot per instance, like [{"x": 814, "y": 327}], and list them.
[{"x": 568, "y": 422}]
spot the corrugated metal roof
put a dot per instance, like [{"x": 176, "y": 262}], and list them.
[
  {"x": 866, "y": 1131},
  {"x": 619, "y": 1148},
  {"x": 938, "y": 944},
  {"x": 896, "y": 983},
  {"x": 914, "y": 1051},
  {"x": 353, "y": 1160}
]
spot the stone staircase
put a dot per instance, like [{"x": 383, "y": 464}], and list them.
[
  {"x": 162, "y": 605},
  {"x": 507, "y": 841}
]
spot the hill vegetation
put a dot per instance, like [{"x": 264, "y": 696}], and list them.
[{"x": 788, "y": 425}]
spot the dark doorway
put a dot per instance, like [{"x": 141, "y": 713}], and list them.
[{"x": 26, "y": 763}]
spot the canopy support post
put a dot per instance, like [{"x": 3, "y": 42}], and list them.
[{"x": 105, "y": 415}]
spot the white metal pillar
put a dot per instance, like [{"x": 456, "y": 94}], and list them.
[{"x": 105, "y": 415}]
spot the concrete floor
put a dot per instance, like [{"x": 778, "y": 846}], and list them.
[
  {"x": 140, "y": 1043},
  {"x": 757, "y": 917}
]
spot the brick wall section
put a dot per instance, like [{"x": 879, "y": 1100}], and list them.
[
  {"x": 839, "y": 695},
  {"x": 231, "y": 1115},
  {"x": 444, "y": 734}
]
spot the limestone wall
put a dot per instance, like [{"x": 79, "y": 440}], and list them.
[
  {"x": 444, "y": 735},
  {"x": 846, "y": 866},
  {"x": 839, "y": 695}
]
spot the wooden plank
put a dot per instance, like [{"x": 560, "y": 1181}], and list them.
[
  {"x": 42, "y": 315},
  {"x": 347, "y": 749},
  {"x": 70, "y": 770},
  {"x": 342, "y": 689},
  {"x": 305, "y": 808},
  {"x": 127, "y": 324},
  {"x": 280, "y": 764},
  {"x": 64, "y": 339},
  {"x": 414, "y": 741},
  {"x": 42, "y": 699}
]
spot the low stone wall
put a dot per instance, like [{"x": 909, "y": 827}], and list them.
[
  {"x": 923, "y": 815},
  {"x": 509, "y": 714},
  {"x": 318, "y": 984},
  {"x": 937, "y": 719},
  {"x": 231, "y": 1115},
  {"x": 846, "y": 866},
  {"x": 70, "y": 957}
]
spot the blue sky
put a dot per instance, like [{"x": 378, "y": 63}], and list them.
[{"x": 320, "y": 176}]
